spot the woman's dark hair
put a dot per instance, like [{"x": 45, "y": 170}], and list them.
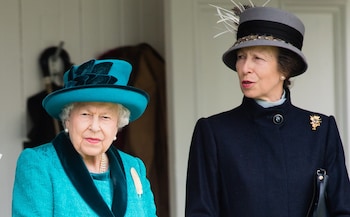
[{"x": 289, "y": 64}]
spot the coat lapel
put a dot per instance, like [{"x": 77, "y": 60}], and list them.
[
  {"x": 119, "y": 182},
  {"x": 80, "y": 177}
]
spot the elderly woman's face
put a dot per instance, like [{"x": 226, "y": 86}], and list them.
[
  {"x": 92, "y": 127},
  {"x": 258, "y": 73}
]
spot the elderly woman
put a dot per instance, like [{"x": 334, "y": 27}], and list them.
[
  {"x": 259, "y": 159},
  {"x": 79, "y": 173}
]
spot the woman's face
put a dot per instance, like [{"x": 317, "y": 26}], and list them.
[
  {"x": 258, "y": 73},
  {"x": 92, "y": 127}
]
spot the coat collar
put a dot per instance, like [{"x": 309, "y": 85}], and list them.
[
  {"x": 256, "y": 111},
  {"x": 80, "y": 177},
  {"x": 252, "y": 102}
]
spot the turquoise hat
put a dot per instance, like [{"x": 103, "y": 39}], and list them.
[{"x": 98, "y": 81}]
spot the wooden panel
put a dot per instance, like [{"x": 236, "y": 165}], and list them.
[
  {"x": 90, "y": 28},
  {"x": 152, "y": 26},
  {"x": 70, "y": 28},
  {"x": 319, "y": 79},
  {"x": 132, "y": 12},
  {"x": 217, "y": 85},
  {"x": 44, "y": 24},
  {"x": 110, "y": 24},
  {"x": 12, "y": 111},
  {"x": 322, "y": 87}
]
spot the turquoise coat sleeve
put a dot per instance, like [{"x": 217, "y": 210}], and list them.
[{"x": 32, "y": 193}]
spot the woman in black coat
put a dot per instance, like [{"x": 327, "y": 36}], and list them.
[{"x": 259, "y": 159}]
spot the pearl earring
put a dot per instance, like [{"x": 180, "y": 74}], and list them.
[
  {"x": 115, "y": 138},
  {"x": 283, "y": 78},
  {"x": 66, "y": 130}
]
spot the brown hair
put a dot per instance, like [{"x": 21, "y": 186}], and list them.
[{"x": 289, "y": 64}]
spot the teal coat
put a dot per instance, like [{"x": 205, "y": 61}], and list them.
[{"x": 52, "y": 180}]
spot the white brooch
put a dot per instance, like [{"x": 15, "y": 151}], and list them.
[
  {"x": 137, "y": 181},
  {"x": 315, "y": 121}
]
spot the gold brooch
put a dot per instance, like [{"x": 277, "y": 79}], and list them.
[{"x": 315, "y": 121}]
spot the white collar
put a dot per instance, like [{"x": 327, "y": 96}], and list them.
[{"x": 267, "y": 104}]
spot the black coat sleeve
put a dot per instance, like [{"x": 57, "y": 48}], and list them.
[{"x": 202, "y": 173}]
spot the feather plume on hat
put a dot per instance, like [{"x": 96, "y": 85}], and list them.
[
  {"x": 230, "y": 18},
  {"x": 261, "y": 26}
]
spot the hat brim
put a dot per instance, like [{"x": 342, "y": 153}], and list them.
[
  {"x": 133, "y": 99},
  {"x": 230, "y": 57}
]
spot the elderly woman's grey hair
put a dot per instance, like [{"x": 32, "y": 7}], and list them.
[{"x": 123, "y": 115}]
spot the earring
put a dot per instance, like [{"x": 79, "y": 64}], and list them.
[
  {"x": 66, "y": 130},
  {"x": 283, "y": 78},
  {"x": 115, "y": 138}
]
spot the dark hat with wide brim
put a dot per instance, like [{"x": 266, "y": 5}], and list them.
[
  {"x": 98, "y": 81},
  {"x": 266, "y": 26}
]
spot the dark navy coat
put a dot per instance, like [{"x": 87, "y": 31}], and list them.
[{"x": 260, "y": 162}]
